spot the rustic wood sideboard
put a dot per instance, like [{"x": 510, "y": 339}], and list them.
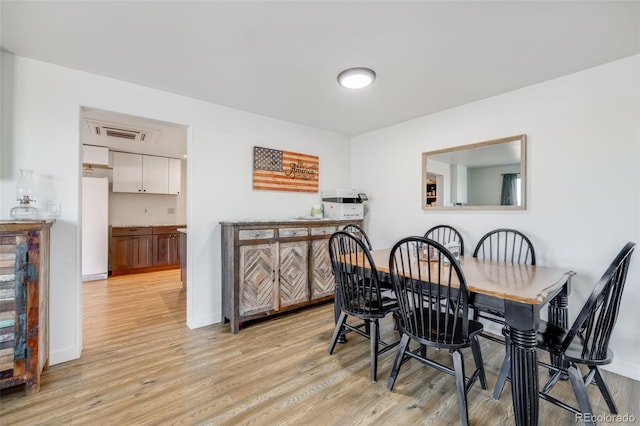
[
  {"x": 24, "y": 302},
  {"x": 275, "y": 266}
]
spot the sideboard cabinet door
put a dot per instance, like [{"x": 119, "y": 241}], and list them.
[{"x": 257, "y": 279}]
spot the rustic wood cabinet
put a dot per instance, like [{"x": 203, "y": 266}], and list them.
[
  {"x": 144, "y": 249},
  {"x": 272, "y": 267},
  {"x": 322, "y": 276},
  {"x": 24, "y": 303}
]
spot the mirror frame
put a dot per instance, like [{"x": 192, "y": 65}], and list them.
[{"x": 523, "y": 177}]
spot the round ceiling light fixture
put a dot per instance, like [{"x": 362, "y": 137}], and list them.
[{"x": 356, "y": 78}]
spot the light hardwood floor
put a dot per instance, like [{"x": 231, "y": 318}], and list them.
[{"x": 141, "y": 365}]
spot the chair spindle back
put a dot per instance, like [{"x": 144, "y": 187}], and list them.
[
  {"x": 507, "y": 245},
  {"x": 432, "y": 294},
  {"x": 356, "y": 277}
]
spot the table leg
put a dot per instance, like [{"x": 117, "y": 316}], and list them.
[
  {"x": 524, "y": 376},
  {"x": 559, "y": 315}
]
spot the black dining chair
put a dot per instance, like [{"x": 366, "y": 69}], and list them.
[
  {"x": 359, "y": 295},
  {"x": 445, "y": 234},
  {"x": 586, "y": 342},
  {"x": 506, "y": 245},
  {"x": 421, "y": 281},
  {"x": 359, "y": 232}
]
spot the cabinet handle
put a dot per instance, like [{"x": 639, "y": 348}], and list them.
[
  {"x": 257, "y": 234},
  {"x": 294, "y": 233}
]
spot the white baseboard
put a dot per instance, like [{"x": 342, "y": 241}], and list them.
[{"x": 65, "y": 355}]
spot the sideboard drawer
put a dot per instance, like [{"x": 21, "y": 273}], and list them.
[
  {"x": 256, "y": 234},
  {"x": 323, "y": 230},
  {"x": 293, "y": 232}
]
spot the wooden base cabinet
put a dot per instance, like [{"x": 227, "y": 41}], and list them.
[
  {"x": 144, "y": 249},
  {"x": 272, "y": 267},
  {"x": 24, "y": 303},
  {"x": 131, "y": 248}
]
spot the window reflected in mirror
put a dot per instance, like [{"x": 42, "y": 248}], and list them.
[{"x": 487, "y": 175}]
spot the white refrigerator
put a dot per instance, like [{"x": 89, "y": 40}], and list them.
[{"x": 95, "y": 228}]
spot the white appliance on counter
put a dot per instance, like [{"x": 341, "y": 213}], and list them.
[
  {"x": 343, "y": 204},
  {"x": 95, "y": 228}
]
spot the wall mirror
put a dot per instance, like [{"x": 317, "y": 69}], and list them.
[{"x": 487, "y": 175}]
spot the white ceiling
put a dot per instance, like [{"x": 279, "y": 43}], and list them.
[{"x": 280, "y": 59}]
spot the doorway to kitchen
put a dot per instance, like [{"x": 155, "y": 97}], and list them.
[{"x": 134, "y": 209}]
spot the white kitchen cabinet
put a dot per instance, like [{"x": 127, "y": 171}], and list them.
[
  {"x": 155, "y": 175},
  {"x": 174, "y": 175},
  {"x": 144, "y": 174},
  {"x": 95, "y": 155},
  {"x": 127, "y": 172}
]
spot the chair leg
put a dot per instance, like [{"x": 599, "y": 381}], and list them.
[
  {"x": 336, "y": 314},
  {"x": 477, "y": 357},
  {"x": 505, "y": 369},
  {"x": 458, "y": 365},
  {"x": 374, "y": 336},
  {"x": 336, "y": 333},
  {"x": 604, "y": 390},
  {"x": 402, "y": 347},
  {"x": 552, "y": 382},
  {"x": 581, "y": 393}
]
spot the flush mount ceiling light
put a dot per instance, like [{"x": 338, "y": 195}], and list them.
[{"x": 356, "y": 78}]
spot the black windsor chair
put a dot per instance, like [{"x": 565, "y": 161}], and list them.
[
  {"x": 506, "y": 245},
  {"x": 445, "y": 234},
  {"x": 359, "y": 294},
  {"x": 358, "y": 232},
  {"x": 586, "y": 342},
  {"x": 420, "y": 286}
]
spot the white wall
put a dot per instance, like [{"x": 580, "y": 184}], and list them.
[
  {"x": 146, "y": 209},
  {"x": 127, "y": 209},
  {"x": 41, "y": 105},
  {"x": 485, "y": 184},
  {"x": 583, "y": 188}
]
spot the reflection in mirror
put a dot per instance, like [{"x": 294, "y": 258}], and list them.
[{"x": 487, "y": 175}]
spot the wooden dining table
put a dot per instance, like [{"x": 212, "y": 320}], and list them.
[{"x": 520, "y": 292}]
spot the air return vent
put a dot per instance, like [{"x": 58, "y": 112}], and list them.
[{"x": 112, "y": 130}]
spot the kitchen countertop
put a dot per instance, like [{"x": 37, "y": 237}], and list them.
[
  {"x": 147, "y": 226},
  {"x": 300, "y": 221}
]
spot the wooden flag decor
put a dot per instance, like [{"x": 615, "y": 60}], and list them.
[{"x": 276, "y": 170}]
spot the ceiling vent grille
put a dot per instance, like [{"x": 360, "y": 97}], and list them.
[{"x": 112, "y": 130}]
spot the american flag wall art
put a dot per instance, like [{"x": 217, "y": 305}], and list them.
[{"x": 277, "y": 170}]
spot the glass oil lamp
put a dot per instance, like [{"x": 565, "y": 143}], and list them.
[{"x": 25, "y": 193}]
